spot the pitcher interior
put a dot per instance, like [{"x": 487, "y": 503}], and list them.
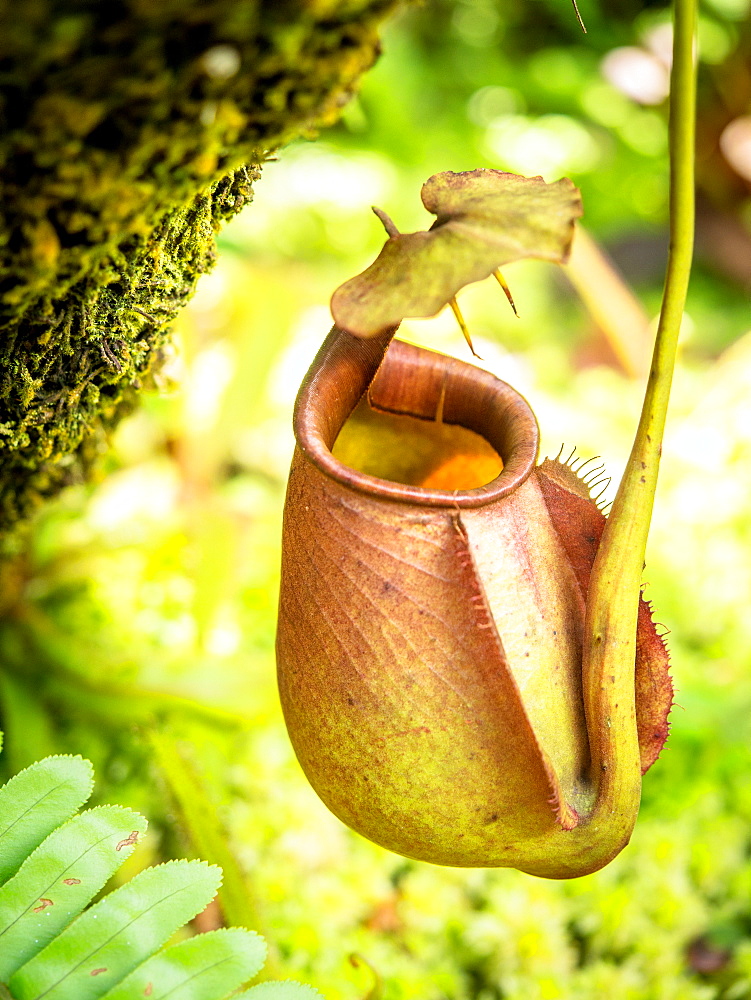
[{"x": 414, "y": 451}]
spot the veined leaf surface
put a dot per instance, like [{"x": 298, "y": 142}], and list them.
[
  {"x": 287, "y": 990},
  {"x": 58, "y": 880},
  {"x": 119, "y": 932},
  {"x": 37, "y": 800},
  {"x": 206, "y": 967}
]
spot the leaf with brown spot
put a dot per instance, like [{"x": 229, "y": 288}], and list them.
[
  {"x": 131, "y": 839},
  {"x": 28, "y": 919},
  {"x": 119, "y": 933},
  {"x": 484, "y": 219}
]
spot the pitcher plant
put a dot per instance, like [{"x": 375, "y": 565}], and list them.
[{"x": 468, "y": 672}]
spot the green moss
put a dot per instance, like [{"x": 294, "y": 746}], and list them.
[{"x": 130, "y": 131}]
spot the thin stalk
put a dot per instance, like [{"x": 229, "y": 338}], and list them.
[
  {"x": 612, "y": 305},
  {"x": 616, "y": 576}
]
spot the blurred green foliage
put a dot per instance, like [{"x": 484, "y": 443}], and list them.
[{"x": 147, "y": 605}]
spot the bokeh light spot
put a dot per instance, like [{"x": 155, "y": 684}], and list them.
[
  {"x": 735, "y": 143},
  {"x": 638, "y": 74}
]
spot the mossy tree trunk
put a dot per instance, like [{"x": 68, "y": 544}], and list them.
[{"x": 130, "y": 131}]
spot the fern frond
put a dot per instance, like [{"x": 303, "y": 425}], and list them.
[
  {"x": 57, "y": 881},
  {"x": 37, "y": 800},
  {"x": 117, "y": 933},
  {"x": 285, "y": 990},
  {"x": 212, "y": 964},
  {"x": 53, "y": 948}
]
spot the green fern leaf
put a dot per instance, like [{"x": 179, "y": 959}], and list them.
[
  {"x": 287, "y": 990},
  {"x": 35, "y": 802},
  {"x": 206, "y": 967},
  {"x": 50, "y": 950},
  {"x": 112, "y": 938},
  {"x": 62, "y": 875}
]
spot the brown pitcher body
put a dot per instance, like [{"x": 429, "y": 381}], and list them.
[{"x": 430, "y": 631}]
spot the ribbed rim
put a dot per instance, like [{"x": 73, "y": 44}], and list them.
[{"x": 414, "y": 381}]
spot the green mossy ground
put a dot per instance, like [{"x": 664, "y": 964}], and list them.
[{"x": 130, "y": 132}]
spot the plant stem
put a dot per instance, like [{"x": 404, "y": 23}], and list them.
[{"x": 616, "y": 576}]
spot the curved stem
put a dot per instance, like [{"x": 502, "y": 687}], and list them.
[{"x": 616, "y": 577}]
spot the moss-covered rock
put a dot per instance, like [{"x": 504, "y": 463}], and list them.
[{"x": 130, "y": 130}]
